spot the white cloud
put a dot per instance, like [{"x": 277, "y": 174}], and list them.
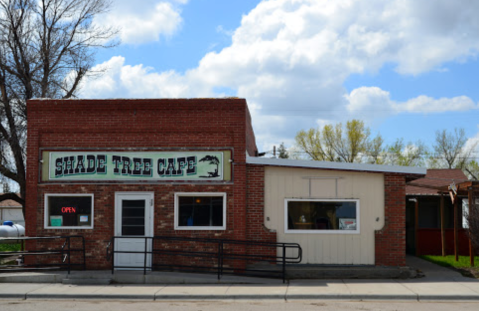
[
  {"x": 125, "y": 81},
  {"x": 290, "y": 58},
  {"x": 426, "y": 104},
  {"x": 107, "y": 84},
  {"x": 369, "y": 103},
  {"x": 473, "y": 142},
  {"x": 143, "y": 21}
]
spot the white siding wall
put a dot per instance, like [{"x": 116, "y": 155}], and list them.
[
  {"x": 368, "y": 188},
  {"x": 12, "y": 214}
]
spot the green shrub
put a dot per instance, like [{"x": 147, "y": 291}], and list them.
[{"x": 10, "y": 247}]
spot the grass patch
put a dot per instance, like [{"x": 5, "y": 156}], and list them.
[
  {"x": 10, "y": 247},
  {"x": 463, "y": 265}
]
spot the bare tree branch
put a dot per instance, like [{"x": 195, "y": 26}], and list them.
[
  {"x": 46, "y": 48},
  {"x": 12, "y": 196}
]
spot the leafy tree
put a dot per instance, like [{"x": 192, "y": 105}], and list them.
[
  {"x": 351, "y": 143},
  {"x": 282, "y": 152},
  {"x": 376, "y": 150},
  {"x": 406, "y": 154},
  {"x": 310, "y": 142},
  {"x": 46, "y": 48}
]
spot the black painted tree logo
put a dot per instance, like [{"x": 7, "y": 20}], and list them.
[{"x": 214, "y": 161}]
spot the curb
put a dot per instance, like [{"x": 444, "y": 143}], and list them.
[
  {"x": 90, "y": 297},
  {"x": 156, "y": 297},
  {"x": 352, "y": 297}
]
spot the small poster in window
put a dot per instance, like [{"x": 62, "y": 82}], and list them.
[
  {"x": 347, "y": 224},
  {"x": 56, "y": 221},
  {"x": 83, "y": 218}
]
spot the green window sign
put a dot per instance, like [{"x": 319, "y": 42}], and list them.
[{"x": 111, "y": 165}]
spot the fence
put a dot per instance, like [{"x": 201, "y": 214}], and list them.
[
  {"x": 45, "y": 253},
  {"x": 220, "y": 256}
]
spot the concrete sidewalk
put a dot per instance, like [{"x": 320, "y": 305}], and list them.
[
  {"x": 439, "y": 284},
  {"x": 346, "y": 290}
]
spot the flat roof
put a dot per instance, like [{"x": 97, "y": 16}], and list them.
[{"x": 360, "y": 167}]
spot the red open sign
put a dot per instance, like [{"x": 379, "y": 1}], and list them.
[{"x": 69, "y": 210}]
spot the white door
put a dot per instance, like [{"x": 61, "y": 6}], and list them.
[{"x": 133, "y": 220}]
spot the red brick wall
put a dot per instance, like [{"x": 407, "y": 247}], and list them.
[
  {"x": 255, "y": 201},
  {"x": 250, "y": 138},
  {"x": 140, "y": 125},
  {"x": 390, "y": 242},
  {"x": 255, "y": 212}
]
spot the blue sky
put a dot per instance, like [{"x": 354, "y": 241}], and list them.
[
  {"x": 458, "y": 80},
  {"x": 407, "y": 68},
  {"x": 204, "y": 28}
]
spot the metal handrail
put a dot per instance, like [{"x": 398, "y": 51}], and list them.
[
  {"x": 223, "y": 252},
  {"x": 65, "y": 252}
]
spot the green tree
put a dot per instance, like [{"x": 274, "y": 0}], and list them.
[
  {"x": 282, "y": 152},
  {"x": 310, "y": 142},
  {"x": 376, "y": 150},
  {"x": 403, "y": 154},
  {"x": 46, "y": 48},
  {"x": 351, "y": 143}
]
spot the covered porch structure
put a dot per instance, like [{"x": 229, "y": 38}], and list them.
[{"x": 430, "y": 214}]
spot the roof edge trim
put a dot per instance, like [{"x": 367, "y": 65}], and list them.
[{"x": 337, "y": 166}]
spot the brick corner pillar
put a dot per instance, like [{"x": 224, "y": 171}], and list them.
[
  {"x": 390, "y": 241},
  {"x": 255, "y": 227}
]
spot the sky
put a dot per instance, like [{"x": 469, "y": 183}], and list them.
[{"x": 407, "y": 68}]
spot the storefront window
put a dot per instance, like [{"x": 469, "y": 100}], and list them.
[
  {"x": 69, "y": 211},
  {"x": 200, "y": 211},
  {"x": 322, "y": 216}
]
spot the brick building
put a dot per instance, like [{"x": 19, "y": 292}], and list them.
[{"x": 189, "y": 168}]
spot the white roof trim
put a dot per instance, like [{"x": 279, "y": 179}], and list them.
[{"x": 337, "y": 165}]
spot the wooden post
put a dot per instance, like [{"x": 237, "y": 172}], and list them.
[
  {"x": 471, "y": 210},
  {"x": 416, "y": 224},
  {"x": 443, "y": 231},
  {"x": 456, "y": 247}
]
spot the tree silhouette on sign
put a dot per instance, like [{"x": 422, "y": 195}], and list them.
[{"x": 212, "y": 160}]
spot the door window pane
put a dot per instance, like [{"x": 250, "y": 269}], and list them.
[{"x": 133, "y": 217}]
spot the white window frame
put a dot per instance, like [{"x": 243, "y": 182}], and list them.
[
  {"x": 46, "y": 215},
  {"x": 358, "y": 223},
  {"x": 199, "y": 194}
]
